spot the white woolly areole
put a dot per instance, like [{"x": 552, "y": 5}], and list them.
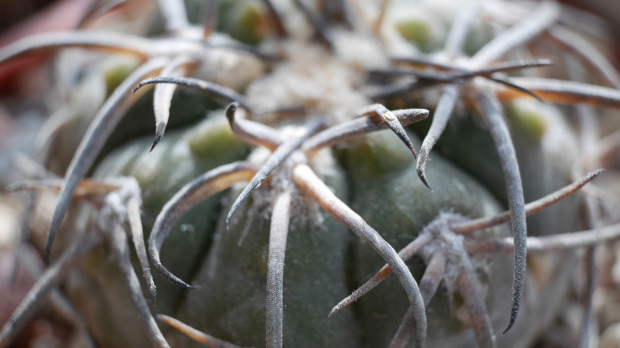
[
  {"x": 311, "y": 77},
  {"x": 359, "y": 52},
  {"x": 325, "y": 83},
  {"x": 445, "y": 241},
  {"x": 115, "y": 202},
  {"x": 451, "y": 245}
]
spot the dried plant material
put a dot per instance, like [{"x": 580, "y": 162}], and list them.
[
  {"x": 83, "y": 188},
  {"x": 98, "y": 9},
  {"x": 31, "y": 168},
  {"x": 563, "y": 92},
  {"x": 54, "y": 125},
  {"x": 546, "y": 244},
  {"x": 50, "y": 278},
  {"x": 276, "y": 19},
  {"x": 457, "y": 75},
  {"x": 514, "y": 86},
  {"x": 601, "y": 152},
  {"x": 200, "y": 337},
  {"x": 530, "y": 208},
  {"x": 426, "y": 62},
  {"x": 383, "y": 6},
  {"x": 210, "y": 16},
  {"x": 53, "y": 42},
  {"x": 346, "y": 13},
  {"x": 30, "y": 260}
]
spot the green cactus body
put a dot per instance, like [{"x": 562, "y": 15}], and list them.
[{"x": 376, "y": 175}]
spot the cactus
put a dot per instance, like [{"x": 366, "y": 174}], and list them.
[{"x": 293, "y": 124}]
